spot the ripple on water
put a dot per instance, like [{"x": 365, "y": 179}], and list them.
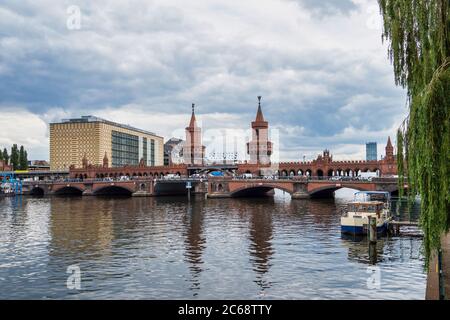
[{"x": 167, "y": 248}]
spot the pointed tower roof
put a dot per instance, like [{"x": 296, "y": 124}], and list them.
[
  {"x": 259, "y": 121},
  {"x": 193, "y": 122},
  {"x": 389, "y": 144},
  {"x": 259, "y": 114}
]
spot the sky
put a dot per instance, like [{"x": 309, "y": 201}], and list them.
[{"x": 320, "y": 67}]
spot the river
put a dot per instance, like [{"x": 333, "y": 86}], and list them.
[{"x": 167, "y": 248}]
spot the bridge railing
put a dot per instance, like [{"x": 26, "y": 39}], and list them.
[
  {"x": 318, "y": 178},
  {"x": 195, "y": 179}
]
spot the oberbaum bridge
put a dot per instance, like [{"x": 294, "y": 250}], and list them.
[{"x": 317, "y": 178}]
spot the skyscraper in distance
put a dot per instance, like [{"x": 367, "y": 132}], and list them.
[{"x": 371, "y": 151}]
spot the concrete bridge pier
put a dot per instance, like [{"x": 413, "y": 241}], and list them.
[
  {"x": 300, "y": 191},
  {"x": 144, "y": 189},
  {"x": 88, "y": 189}
]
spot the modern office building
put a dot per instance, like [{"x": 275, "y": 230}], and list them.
[
  {"x": 371, "y": 151},
  {"x": 38, "y": 165},
  {"x": 96, "y": 139}
]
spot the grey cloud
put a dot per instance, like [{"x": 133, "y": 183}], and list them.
[
  {"x": 161, "y": 59},
  {"x": 327, "y": 7}
]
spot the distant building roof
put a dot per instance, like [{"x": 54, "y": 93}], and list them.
[
  {"x": 90, "y": 118},
  {"x": 171, "y": 143}
]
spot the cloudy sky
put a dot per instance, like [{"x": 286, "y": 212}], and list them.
[{"x": 320, "y": 66}]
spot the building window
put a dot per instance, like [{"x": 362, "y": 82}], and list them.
[
  {"x": 125, "y": 149},
  {"x": 144, "y": 150},
  {"x": 152, "y": 152}
]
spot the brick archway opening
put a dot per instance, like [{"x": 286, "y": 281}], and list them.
[
  {"x": 37, "y": 191},
  {"x": 69, "y": 191},
  {"x": 113, "y": 191},
  {"x": 257, "y": 192}
]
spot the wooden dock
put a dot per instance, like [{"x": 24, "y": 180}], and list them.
[
  {"x": 404, "y": 223},
  {"x": 394, "y": 226}
]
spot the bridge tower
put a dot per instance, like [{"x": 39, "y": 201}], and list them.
[
  {"x": 259, "y": 148},
  {"x": 193, "y": 150},
  {"x": 389, "y": 151}
]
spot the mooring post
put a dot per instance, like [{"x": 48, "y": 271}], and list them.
[{"x": 372, "y": 229}]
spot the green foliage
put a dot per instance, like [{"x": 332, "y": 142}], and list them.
[
  {"x": 418, "y": 32},
  {"x": 23, "y": 159},
  {"x": 14, "y": 159},
  {"x": 5, "y": 156},
  {"x": 1, "y": 156},
  {"x": 400, "y": 163}
]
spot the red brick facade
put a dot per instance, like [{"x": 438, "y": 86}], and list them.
[{"x": 4, "y": 166}]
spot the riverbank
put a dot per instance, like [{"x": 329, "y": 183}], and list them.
[{"x": 432, "y": 292}]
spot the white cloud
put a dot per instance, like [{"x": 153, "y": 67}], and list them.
[{"x": 22, "y": 127}]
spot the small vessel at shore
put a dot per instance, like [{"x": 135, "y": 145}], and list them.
[
  {"x": 6, "y": 190},
  {"x": 355, "y": 219}
]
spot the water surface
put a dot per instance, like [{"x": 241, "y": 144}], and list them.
[{"x": 167, "y": 248}]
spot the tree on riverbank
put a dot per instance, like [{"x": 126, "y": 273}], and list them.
[
  {"x": 418, "y": 33},
  {"x": 18, "y": 158},
  {"x": 5, "y": 156},
  {"x": 23, "y": 159}
]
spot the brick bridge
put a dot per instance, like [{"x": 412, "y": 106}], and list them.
[
  {"x": 218, "y": 187},
  {"x": 97, "y": 187},
  {"x": 298, "y": 188}
]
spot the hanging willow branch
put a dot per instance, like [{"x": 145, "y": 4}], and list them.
[
  {"x": 400, "y": 162},
  {"x": 418, "y": 33}
]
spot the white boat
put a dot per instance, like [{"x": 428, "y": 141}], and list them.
[
  {"x": 6, "y": 189},
  {"x": 367, "y": 204}
]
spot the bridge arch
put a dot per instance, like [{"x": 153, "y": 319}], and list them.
[
  {"x": 37, "y": 191},
  {"x": 258, "y": 190},
  {"x": 68, "y": 190},
  {"x": 327, "y": 191},
  {"x": 112, "y": 190}
]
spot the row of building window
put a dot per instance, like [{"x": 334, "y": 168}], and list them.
[{"x": 125, "y": 149}]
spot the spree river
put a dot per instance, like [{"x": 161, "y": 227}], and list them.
[{"x": 168, "y": 248}]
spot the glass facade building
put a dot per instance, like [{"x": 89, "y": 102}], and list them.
[
  {"x": 125, "y": 149},
  {"x": 371, "y": 151},
  {"x": 152, "y": 152}
]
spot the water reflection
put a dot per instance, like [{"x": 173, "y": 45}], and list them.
[
  {"x": 260, "y": 250},
  {"x": 165, "y": 247},
  {"x": 363, "y": 251},
  {"x": 194, "y": 241}
]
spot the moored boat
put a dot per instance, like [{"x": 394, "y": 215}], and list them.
[{"x": 355, "y": 220}]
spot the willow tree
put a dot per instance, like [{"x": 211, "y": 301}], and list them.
[{"x": 418, "y": 34}]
